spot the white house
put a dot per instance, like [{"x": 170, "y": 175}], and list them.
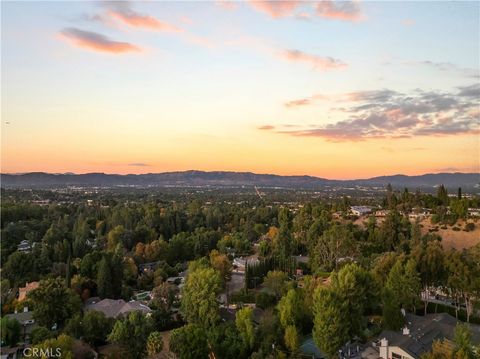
[{"x": 360, "y": 210}]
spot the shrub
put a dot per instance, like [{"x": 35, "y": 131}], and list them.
[
  {"x": 456, "y": 229},
  {"x": 265, "y": 300},
  {"x": 470, "y": 227}
]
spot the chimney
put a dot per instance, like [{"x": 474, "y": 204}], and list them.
[
  {"x": 25, "y": 309},
  {"x": 383, "y": 350},
  {"x": 406, "y": 331}
]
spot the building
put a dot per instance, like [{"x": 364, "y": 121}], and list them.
[
  {"x": 24, "y": 246},
  {"x": 416, "y": 337},
  {"x": 23, "y": 291},
  {"x": 474, "y": 212},
  {"x": 27, "y": 323},
  {"x": 360, "y": 210},
  {"x": 113, "y": 308}
]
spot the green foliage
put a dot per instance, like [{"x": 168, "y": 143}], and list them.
[
  {"x": 63, "y": 345},
  {"x": 96, "y": 327},
  {"x": 265, "y": 300},
  {"x": 131, "y": 333},
  {"x": 244, "y": 324},
  {"x": 10, "y": 331},
  {"x": 199, "y": 297},
  {"x": 276, "y": 282},
  {"x": 54, "y": 303},
  {"x": 330, "y": 330},
  {"x": 40, "y": 334},
  {"x": 335, "y": 243},
  {"x": 292, "y": 340},
  {"x": 154, "y": 343},
  {"x": 290, "y": 308},
  {"x": 189, "y": 342}
]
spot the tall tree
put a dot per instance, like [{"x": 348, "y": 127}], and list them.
[
  {"x": 131, "y": 333},
  {"x": 199, "y": 297},
  {"x": 189, "y": 342},
  {"x": 54, "y": 303},
  {"x": 244, "y": 324},
  {"x": 330, "y": 325}
]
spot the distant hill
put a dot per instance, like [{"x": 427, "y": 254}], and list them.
[{"x": 232, "y": 179}]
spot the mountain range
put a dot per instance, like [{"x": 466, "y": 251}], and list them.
[{"x": 232, "y": 179}]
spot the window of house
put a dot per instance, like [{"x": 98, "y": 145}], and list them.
[{"x": 396, "y": 356}]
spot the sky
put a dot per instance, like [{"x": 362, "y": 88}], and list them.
[{"x": 349, "y": 89}]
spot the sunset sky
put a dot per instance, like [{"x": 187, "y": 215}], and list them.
[{"x": 330, "y": 89}]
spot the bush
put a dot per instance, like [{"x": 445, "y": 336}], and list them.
[
  {"x": 456, "y": 229},
  {"x": 242, "y": 296},
  {"x": 265, "y": 300},
  {"x": 443, "y": 227},
  {"x": 470, "y": 227},
  {"x": 40, "y": 334}
]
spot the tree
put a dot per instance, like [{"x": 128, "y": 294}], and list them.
[
  {"x": 96, "y": 326},
  {"x": 244, "y": 324},
  {"x": 335, "y": 243},
  {"x": 164, "y": 296},
  {"x": 221, "y": 263},
  {"x": 199, "y": 297},
  {"x": 356, "y": 291},
  {"x": 189, "y": 342},
  {"x": 392, "y": 316},
  {"x": 40, "y": 334},
  {"x": 63, "y": 344},
  {"x": 54, "y": 303},
  {"x": 430, "y": 258},
  {"x": 104, "y": 279},
  {"x": 10, "y": 331},
  {"x": 330, "y": 324},
  {"x": 442, "y": 195},
  {"x": 154, "y": 343},
  {"x": 290, "y": 308},
  {"x": 463, "y": 342},
  {"x": 276, "y": 281},
  {"x": 291, "y": 338},
  {"x": 131, "y": 333}
]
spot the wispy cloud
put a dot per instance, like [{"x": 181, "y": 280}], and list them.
[
  {"x": 408, "y": 22},
  {"x": 96, "y": 42},
  {"x": 138, "y": 164},
  {"x": 317, "y": 62},
  {"x": 391, "y": 114},
  {"x": 266, "y": 127},
  {"x": 122, "y": 11},
  {"x": 339, "y": 10},
  {"x": 275, "y": 9}
]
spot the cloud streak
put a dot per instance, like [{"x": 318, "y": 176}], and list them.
[
  {"x": 339, "y": 10},
  {"x": 96, "y": 42},
  {"x": 391, "y": 114},
  {"x": 317, "y": 62},
  {"x": 138, "y": 164},
  {"x": 123, "y": 12},
  {"x": 276, "y": 9}
]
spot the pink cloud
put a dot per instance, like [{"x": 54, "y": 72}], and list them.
[
  {"x": 96, "y": 42},
  {"x": 134, "y": 19},
  {"x": 275, "y": 9},
  {"x": 339, "y": 10},
  {"x": 318, "y": 62}
]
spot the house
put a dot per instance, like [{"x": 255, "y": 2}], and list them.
[
  {"x": 416, "y": 337},
  {"x": 113, "y": 308},
  {"x": 474, "y": 212},
  {"x": 24, "y": 246},
  {"x": 360, "y": 210},
  {"x": 148, "y": 267},
  {"x": 382, "y": 213},
  {"x": 10, "y": 352},
  {"x": 25, "y": 318},
  {"x": 23, "y": 291}
]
